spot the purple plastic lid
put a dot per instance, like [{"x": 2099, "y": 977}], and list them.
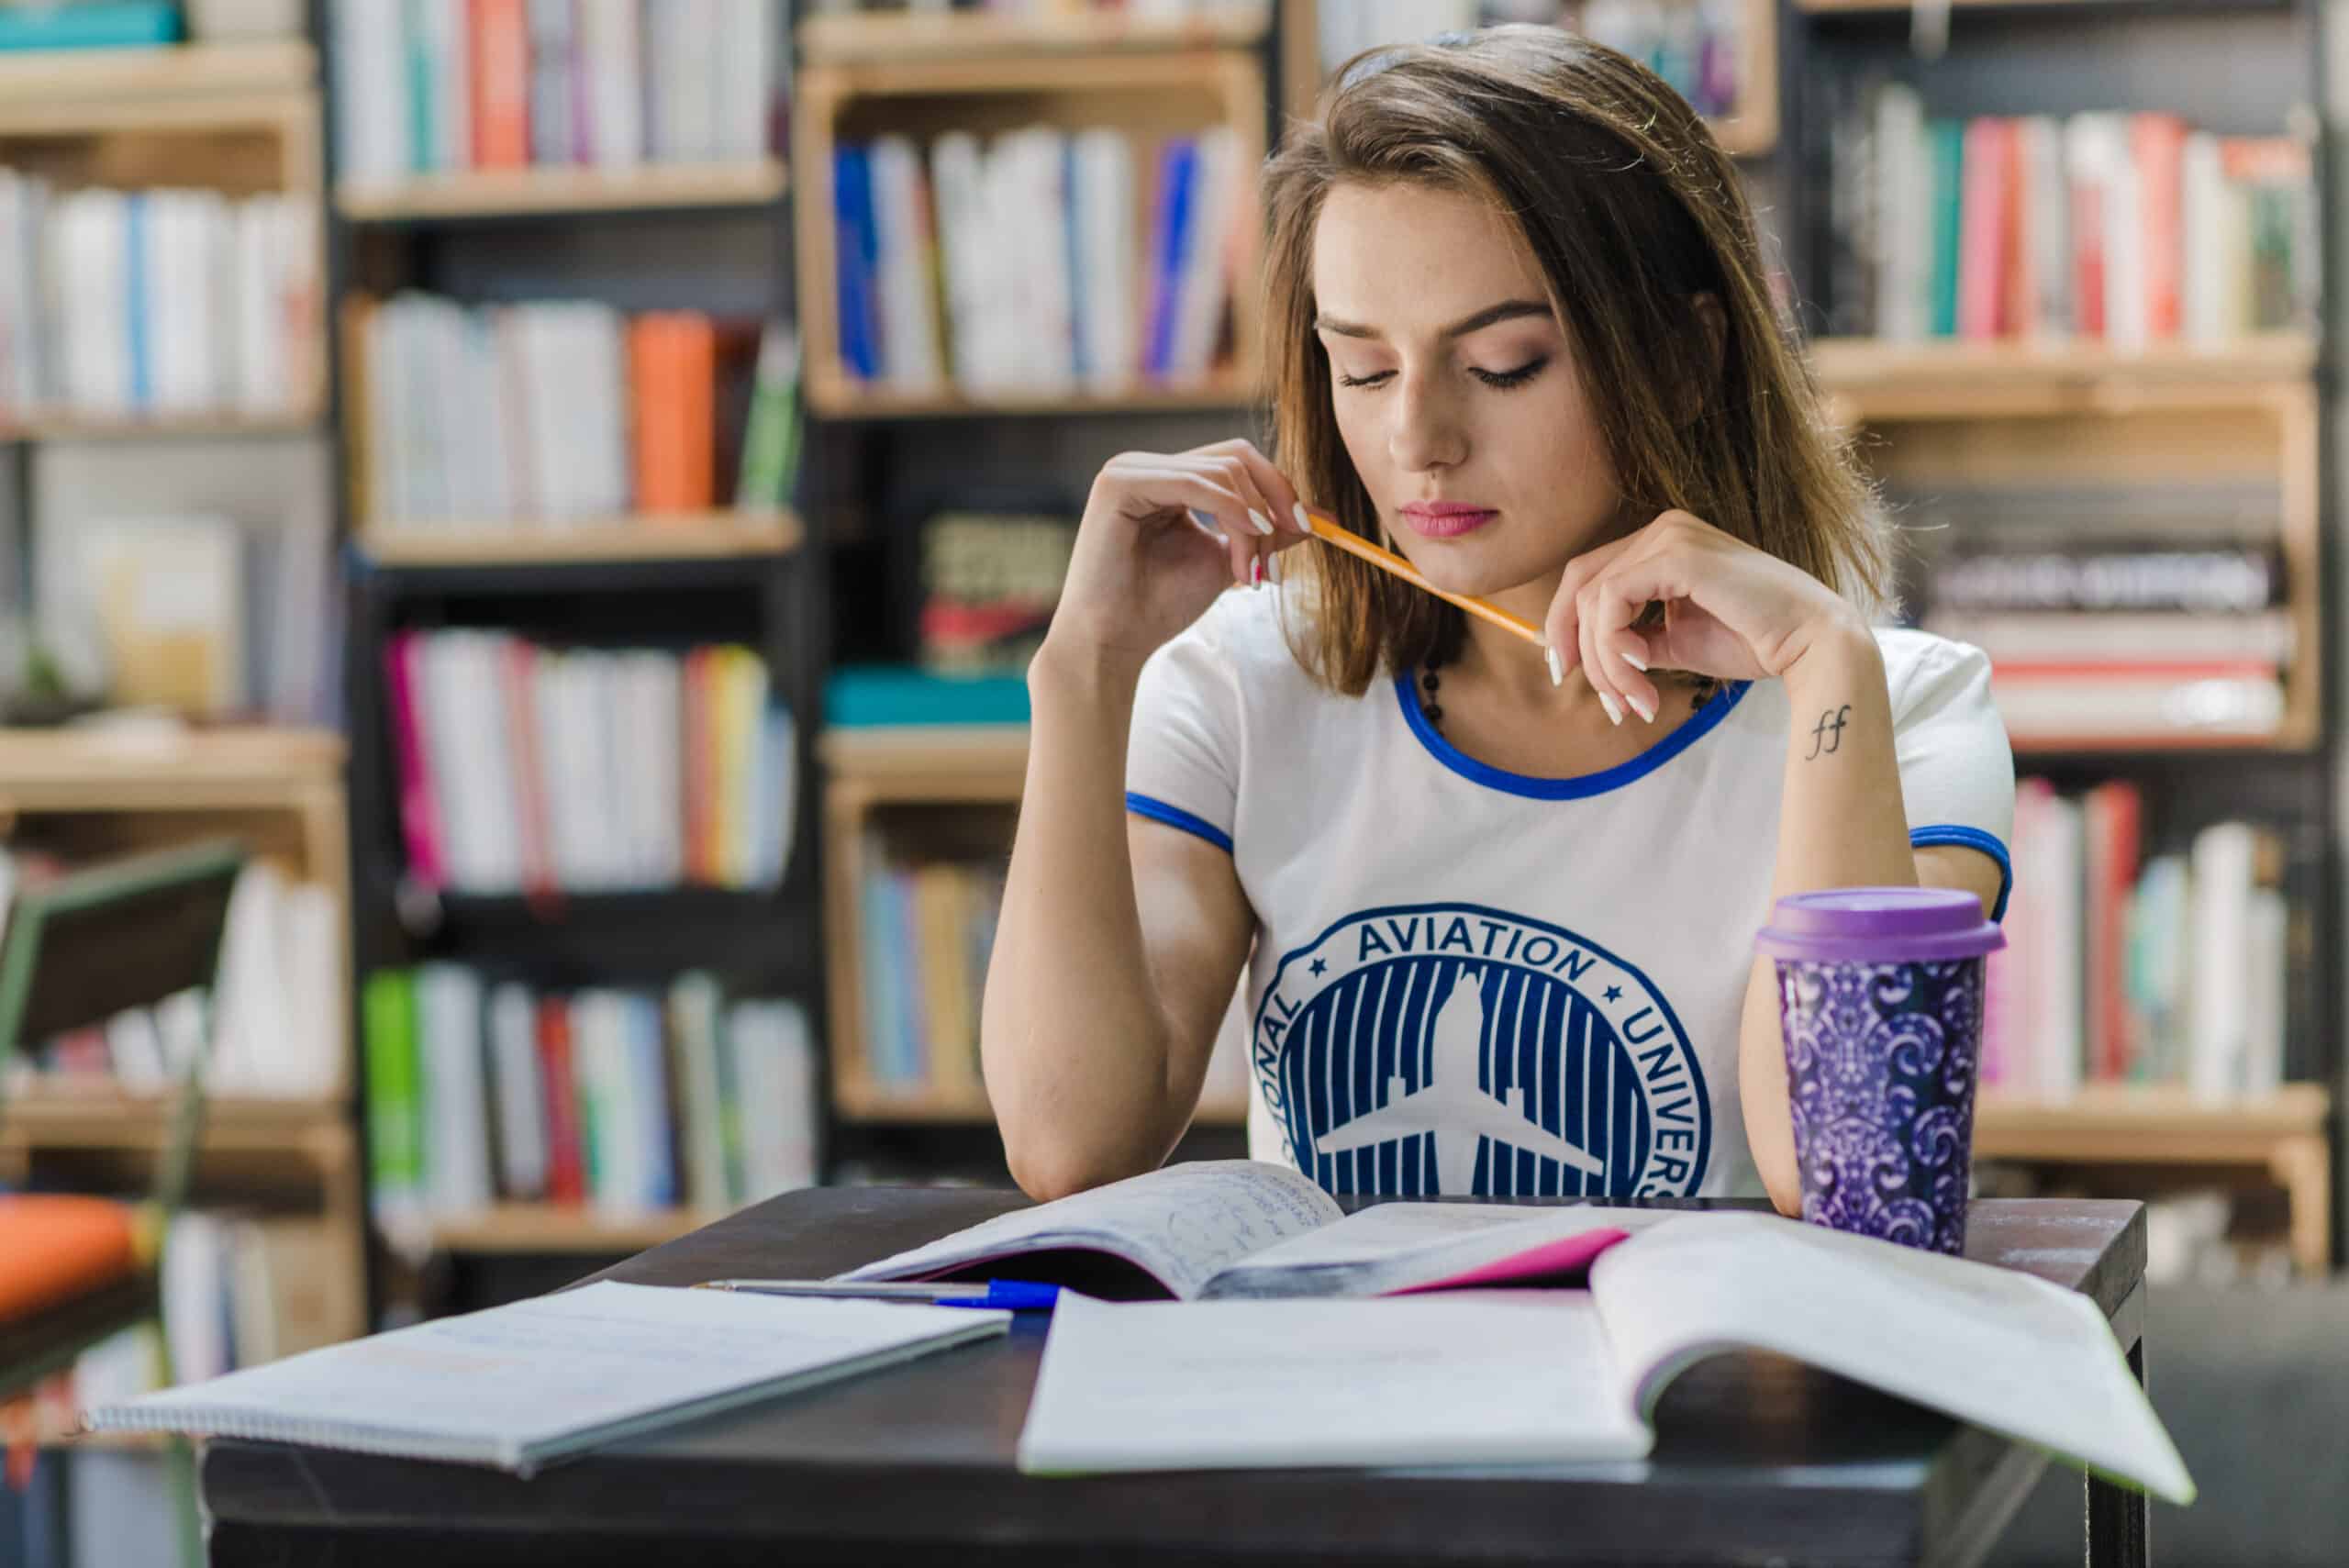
[{"x": 1880, "y": 925}]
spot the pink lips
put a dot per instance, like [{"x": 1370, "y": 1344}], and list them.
[{"x": 1446, "y": 519}]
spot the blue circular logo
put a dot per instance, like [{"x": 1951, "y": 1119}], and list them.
[{"x": 1447, "y": 1048}]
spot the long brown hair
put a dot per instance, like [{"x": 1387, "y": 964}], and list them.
[{"x": 1632, "y": 211}]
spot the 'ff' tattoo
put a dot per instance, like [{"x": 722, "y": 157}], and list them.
[{"x": 1829, "y": 736}]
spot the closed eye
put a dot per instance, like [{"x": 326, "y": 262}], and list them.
[
  {"x": 1503, "y": 380},
  {"x": 1375, "y": 379}
]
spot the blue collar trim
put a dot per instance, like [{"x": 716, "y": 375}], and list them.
[{"x": 1584, "y": 785}]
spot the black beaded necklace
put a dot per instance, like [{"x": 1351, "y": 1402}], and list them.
[{"x": 1431, "y": 683}]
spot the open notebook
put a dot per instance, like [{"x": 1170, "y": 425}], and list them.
[
  {"x": 519, "y": 1386},
  {"x": 1495, "y": 1378},
  {"x": 1245, "y": 1228}
]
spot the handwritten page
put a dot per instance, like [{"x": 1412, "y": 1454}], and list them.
[
  {"x": 1180, "y": 1225},
  {"x": 517, "y": 1385},
  {"x": 1477, "y": 1377},
  {"x": 2007, "y": 1351}
]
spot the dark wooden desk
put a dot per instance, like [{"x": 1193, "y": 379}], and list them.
[{"x": 1758, "y": 1458}]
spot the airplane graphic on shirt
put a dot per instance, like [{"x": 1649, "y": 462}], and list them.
[{"x": 1453, "y": 1107}]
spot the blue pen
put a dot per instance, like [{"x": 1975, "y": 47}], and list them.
[{"x": 1001, "y": 1294}]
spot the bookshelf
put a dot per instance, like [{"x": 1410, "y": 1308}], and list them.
[
  {"x": 892, "y": 75},
  {"x": 673, "y": 227},
  {"x": 1750, "y": 131},
  {"x": 509, "y": 193}
]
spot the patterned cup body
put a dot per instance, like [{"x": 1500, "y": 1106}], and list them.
[{"x": 1880, "y": 1072}]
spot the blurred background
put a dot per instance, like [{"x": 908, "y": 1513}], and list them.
[{"x": 569, "y": 488}]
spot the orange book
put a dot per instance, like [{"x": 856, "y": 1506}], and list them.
[
  {"x": 672, "y": 385},
  {"x": 2157, "y": 142},
  {"x": 501, "y": 83},
  {"x": 55, "y": 1247}
]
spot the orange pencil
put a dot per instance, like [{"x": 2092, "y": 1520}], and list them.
[{"x": 1329, "y": 532}]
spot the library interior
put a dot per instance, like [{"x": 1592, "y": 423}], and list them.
[{"x": 452, "y": 845}]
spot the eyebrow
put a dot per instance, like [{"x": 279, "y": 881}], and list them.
[{"x": 1506, "y": 310}]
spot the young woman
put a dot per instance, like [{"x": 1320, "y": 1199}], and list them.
[{"x": 1495, "y": 906}]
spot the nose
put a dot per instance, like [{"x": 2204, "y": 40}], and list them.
[{"x": 1427, "y": 433}]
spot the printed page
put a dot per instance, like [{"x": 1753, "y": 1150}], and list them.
[
  {"x": 2004, "y": 1351},
  {"x": 515, "y": 1385},
  {"x": 1405, "y": 1246},
  {"x": 1479, "y": 1377},
  {"x": 1179, "y": 1225}
]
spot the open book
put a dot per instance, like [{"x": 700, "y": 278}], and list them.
[
  {"x": 1245, "y": 1228},
  {"x": 1488, "y": 1376}
]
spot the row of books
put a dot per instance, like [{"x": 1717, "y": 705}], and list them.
[
  {"x": 2139, "y": 636},
  {"x": 271, "y": 1026},
  {"x": 1698, "y": 46},
  {"x": 155, "y": 304},
  {"x": 536, "y": 770},
  {"x": 927, "y": 927},
  {"x": 2127, "y": 965},
  {"x": 434, "y": 86},
  {"x": 196, "y": 613},
  {"x": 563, "y": 412},
  {"x": 1017, "y": 264},
  {"x": 626, "y": 1101},
  {"x": 989, "y": 581},
  {"x": 2134, "y": 228}
]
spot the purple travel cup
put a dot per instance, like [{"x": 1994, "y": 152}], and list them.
[{"x": 1880, "y": 994}]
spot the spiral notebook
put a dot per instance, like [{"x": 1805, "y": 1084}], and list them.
[{"x": 520, "y": 1385}]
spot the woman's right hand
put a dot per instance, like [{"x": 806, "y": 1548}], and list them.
[{"x": 1145, "y": 566}]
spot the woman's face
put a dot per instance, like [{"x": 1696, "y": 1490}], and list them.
[{"x": 1455, "y": 392}]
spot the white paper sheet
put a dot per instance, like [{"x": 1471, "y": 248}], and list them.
[
  {"x": 1475, "y": 1377},
  {"x": 2007, "y": 1351},
  {"x": 515, "y": 1385},
  {"x": 1180, "y": 1224}
]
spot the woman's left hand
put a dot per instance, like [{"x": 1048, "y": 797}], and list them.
[{"x": 1730, "y": 611}]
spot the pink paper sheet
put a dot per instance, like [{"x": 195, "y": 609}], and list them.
[{"x": 1569, "y": 1255}]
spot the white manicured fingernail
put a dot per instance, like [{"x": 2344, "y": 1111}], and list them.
[
  {"x": 1614, "y": 714},
  {"x": 1274, "y": 571},
  {"x": 1642, "y": 709},
  {"x": 1636, "y": 662},
  {"x": 1304, "y": 523},
  {"x": 1557, "y": 667},
  {"x": 1263, "y": 524},
  {"x": 1205, "y": 522}
]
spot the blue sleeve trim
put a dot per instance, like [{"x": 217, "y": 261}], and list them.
[
  {"x": 1175, "y": 816},
  {"x": 1972, "y": 839}
]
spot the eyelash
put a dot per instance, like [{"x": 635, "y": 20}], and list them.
[{"x": 1499, "y": 381}]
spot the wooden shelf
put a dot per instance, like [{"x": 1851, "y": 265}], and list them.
[
  {"x": 2283, "y": 1134},
  {"x": 864, "y": 38},
  {"x": 506, "y": 192},
  {"x": 838, "y": 396},
  {"x": 689, "y": 537},
  {"x": 859, "y": 1099},
  {"x": 62, "y": 91},
  {"x": 2285, "y": 742},
  {"x": 103, "y": 1116},
  {"x": 104, "y": 768},
  {"x": 1868, "y": 379},
  {"x": 981, "y": 763},
  {"x": 520, "y": 1227},
  {"x": 171, "y": 427},
  {"x": 1884, "y": 7}
]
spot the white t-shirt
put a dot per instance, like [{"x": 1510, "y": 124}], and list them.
[{"x": 1466, "y": 979}]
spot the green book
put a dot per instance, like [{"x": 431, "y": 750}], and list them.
[
  {"x": 1946, "y": 141},
  {"x": 771, "y": 431},
  {"x": 395, "y": 1087}
]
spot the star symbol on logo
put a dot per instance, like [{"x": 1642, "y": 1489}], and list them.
[
  {"x": 1320, "y": 966},
  {"x": 1614, "y": 993}
]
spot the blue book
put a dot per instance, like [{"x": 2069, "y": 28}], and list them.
[
  {"x": 94, "y": 24},
  {"x": 651, "y": 1092},
  {"x": 877, "y": 963},
  {"x": 1081, "y": 351},
  {"x": 139, "y": 335},
  {"x": 858, "y": 262},
  {"x": 1178, "y": 168},
  {"x": 864, "y": 696}
]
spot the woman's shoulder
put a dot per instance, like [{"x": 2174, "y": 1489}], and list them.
[
  {"x": 1246, "y": 632},
  {"x": 1921, "y": 668}
]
